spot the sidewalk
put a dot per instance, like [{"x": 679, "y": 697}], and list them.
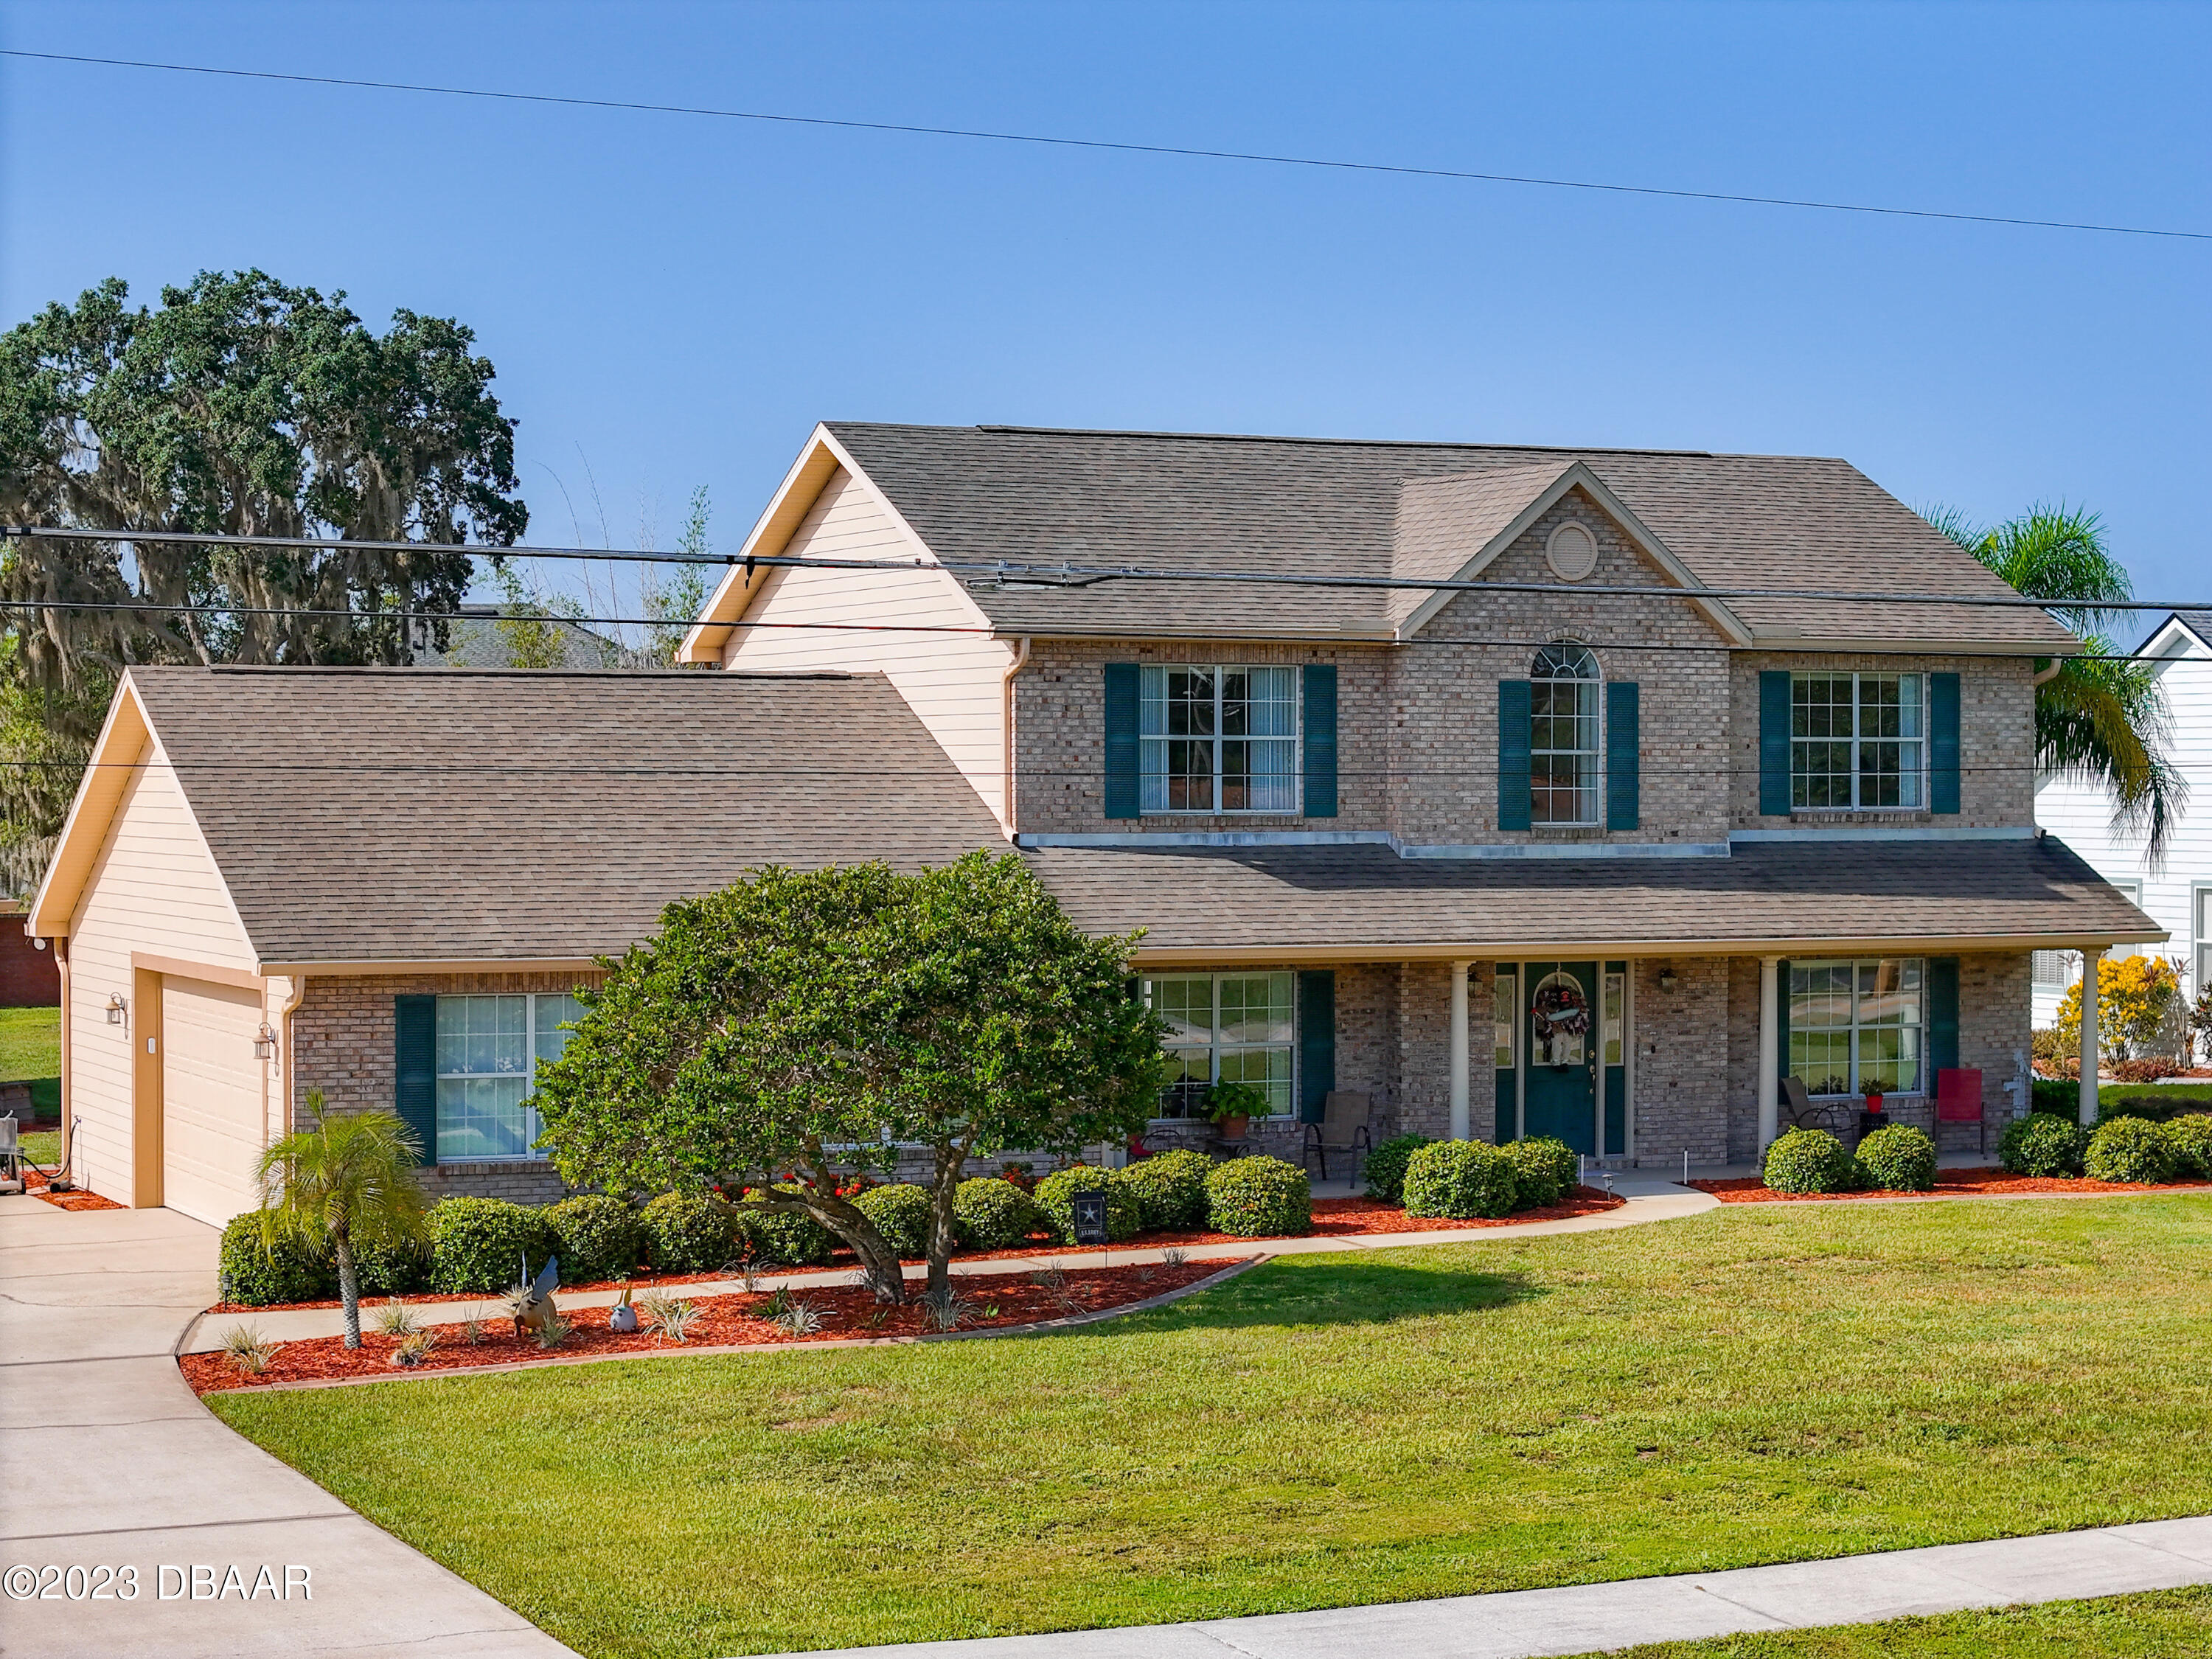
[
  {"x": 113, "y": 1463},
  {"x": 1592, "y": 1617},
  {"x": 1650, "y": 1199}
]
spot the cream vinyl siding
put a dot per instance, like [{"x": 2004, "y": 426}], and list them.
[
  {"x": 153, "y": 889},
  {"x": 954, "y": 682},
  {"x": 212, "y": 1099}
]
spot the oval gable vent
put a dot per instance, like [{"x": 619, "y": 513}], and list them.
[{"x": 1571, "y": 552}]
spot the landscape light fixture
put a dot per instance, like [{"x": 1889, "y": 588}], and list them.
[
  {"x": 115, "y": 1007},
  {"x": 1667, "y": 980}
]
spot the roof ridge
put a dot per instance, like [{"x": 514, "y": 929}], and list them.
[
  {"x": 1291, "y": 438},
  {"x": 373, "y": 671}
]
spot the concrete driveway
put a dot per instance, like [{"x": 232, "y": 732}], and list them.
[{"x": 113, "y": 1464}]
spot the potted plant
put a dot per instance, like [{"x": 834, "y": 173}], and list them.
[
  {"x": 1873, "y": 1092},
  {"x": 1232, "y": 1106},
  {"x": 622, "y": 1316}
]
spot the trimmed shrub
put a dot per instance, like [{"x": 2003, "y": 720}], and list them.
[
  {"x": 688, "y": 1232},
  {"x": 392, "y": 1269},
  {"x": 785, "y": 1239},
  {"x": 259, "y": 1279},
  {"x": 1898, "y": 1159},
  {"x": 1810, "y": 1161},
  {"x": 901, "y": 1213},
  {"x": 1461, "y": 1179},
  {"x": 479, "y": 1243},
  {"x": 2130, "y": 1149},
  {"x": 600, "y": 1236},
  {"x": 2189, "y": 1139},
  {"x": 1055, "y": 1196},
  {"x": 1169, "y": 1190},
  {"x": 2059, "y": 1096},
  {"x": 993, "y": 1214},
  {"x": 1544, "y": 1171},
  {"x": 2043, "y": 1144},
  {"x": 1386, "y": 1167},
  {"x": 1259, "y": 1198}
]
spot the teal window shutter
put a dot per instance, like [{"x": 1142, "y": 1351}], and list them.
[
  {"x": 1624, "y": 745},
  {"x": 1774, "y": 743},
  {"x": 1513, "y": 795},
  {"x": 414, "y": 1069},
  {"x": 1943, "y": 743},
  {"x": 1316, "y": 1040},
  {"x": 1320, "y": 703},
  {"x": 1942, "y": 1017},
  {"x": 1122, "y": 746}
]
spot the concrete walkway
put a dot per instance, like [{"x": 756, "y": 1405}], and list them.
[
  {"x": 112, "y": 1462},
  {"x": 1592, "y": 1617},
  {"x": 1650, "y": 1199}
]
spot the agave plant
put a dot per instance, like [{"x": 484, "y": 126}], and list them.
[
  {"x": 247, "y": 1348},
  {"x": 414, "y": 1347},
  {"x": 553, "y": 1330},
  {"x": 667, "y": 1319},
  {"x": 395, "y": 1318},
  {"x": 799, "y": 1317}
]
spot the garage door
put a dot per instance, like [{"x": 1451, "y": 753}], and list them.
[{"x": 211, "y": 1099}]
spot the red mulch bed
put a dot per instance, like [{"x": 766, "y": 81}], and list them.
[
  {"x": 847, "y": 1312},
  {"x": 1333, "y": 1217},
  {"x": 35, "y": 1183},
  {"x": 1949, "y": 1183}
]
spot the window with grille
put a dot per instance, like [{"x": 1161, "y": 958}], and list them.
[
  {"x": 1218, "y": 739},
  {"x": 1857, "y": 742},
  {"x": 1857, "y": 1024},
  {"x": 1225, "y": 1028},
  {"x": 489, "y": 1052},
  {"x": 1563, "y": 736}
]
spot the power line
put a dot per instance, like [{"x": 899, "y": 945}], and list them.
[
  {"x": 1121, "y": 147},
  {"x": 966, "y": 631},
  {"x": 1002, "y": 572}
]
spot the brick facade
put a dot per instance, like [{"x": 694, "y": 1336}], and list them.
[{"x": 343, "y": 1043}]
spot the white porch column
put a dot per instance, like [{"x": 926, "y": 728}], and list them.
[
  {"x": 2089, "y": 1006},
  {"x": 1769, "y": 1051},
  {"x": 1460, "y": 1130}
]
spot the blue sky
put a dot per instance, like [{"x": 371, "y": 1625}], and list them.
[{"x": 673, "y": 301}]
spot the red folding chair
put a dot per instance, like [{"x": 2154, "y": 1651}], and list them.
[{"x": 1959, "y": 1098}]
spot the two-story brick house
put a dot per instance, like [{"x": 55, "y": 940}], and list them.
[
  {"x": 1601, "y": 843},
  {"x": 1543, "y": 801}
]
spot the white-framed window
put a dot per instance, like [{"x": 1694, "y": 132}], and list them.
[
  {"x": 2054, "y": 970},
  {"x": 1225, "y": 1028},
  {"x": 1505, "y": 1017},
  {"x": 1857, "y": 742},
  {"x": 489, "y": 1049},
  {"x": 1218, "y": 739},
  {"x": 1853, "y": 1023},
  {"x": 2203, "y": 897},
  {"x": 1615, "y": 1015},
  {"x": 1563, "y": 736}
]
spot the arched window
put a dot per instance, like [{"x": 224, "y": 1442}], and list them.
[{"x": 1563, "y": 739}]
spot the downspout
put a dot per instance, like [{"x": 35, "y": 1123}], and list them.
[
  {"x": 292, "y": 999},
  {"x": 2043, "y": 676},
  {"x": 62, "y": 965},
  {"x": 1006, "y": 734}
]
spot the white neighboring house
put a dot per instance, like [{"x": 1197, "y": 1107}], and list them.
[{"x": 2178, "y": 897}]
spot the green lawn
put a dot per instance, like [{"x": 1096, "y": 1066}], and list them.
[
  {"x": 31, "y": 1050},
  {"x": 1764, "y": 1383},
  {"x": 2168, "y": 1625}
]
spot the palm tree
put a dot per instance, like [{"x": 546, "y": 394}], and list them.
[
  {"x": 2102, "y": 718},
  {"x": 348, "y": 1178}
]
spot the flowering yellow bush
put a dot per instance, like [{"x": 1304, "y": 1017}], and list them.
[{"x": 2135, "y": 998}]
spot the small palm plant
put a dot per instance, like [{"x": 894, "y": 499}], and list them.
[{"x": 347, "y": 1179}]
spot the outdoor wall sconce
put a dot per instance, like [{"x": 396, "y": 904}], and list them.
[
  {"x": 264, "y": 1042},
  {"x": 1667, "y": 980},
  {"x": 115, "y": 1007}
]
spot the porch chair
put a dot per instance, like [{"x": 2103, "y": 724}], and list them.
[
  {"x": 1959, "y": 1098},
  {"x": 1804, "y": 1113},
  {"x": 1342, "y": 1128}
]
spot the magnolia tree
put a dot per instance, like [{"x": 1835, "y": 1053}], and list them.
[{"x": 799, "y": 1027}]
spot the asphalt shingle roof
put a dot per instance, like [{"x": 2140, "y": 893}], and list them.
[
  {"x": 1328, "y": 508},
  {"x": 396, "y": 814},
  {"x": 1299, "y": 898}
]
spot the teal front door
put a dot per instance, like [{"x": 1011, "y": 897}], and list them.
[{"x": 1560, "y": 1033}]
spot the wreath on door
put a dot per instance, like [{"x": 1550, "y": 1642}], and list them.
[{"x": 1561, "y": 1011}]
